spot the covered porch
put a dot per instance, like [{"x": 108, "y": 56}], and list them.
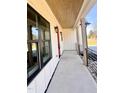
[{"x": 65, "y": 71}]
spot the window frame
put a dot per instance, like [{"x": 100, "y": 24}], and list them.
[{"x": 39, "y": 42}]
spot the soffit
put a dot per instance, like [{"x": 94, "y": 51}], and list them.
[{"x": 66, "y": 11}]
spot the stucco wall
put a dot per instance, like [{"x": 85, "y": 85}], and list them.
[
  {"x": 40, "y": 82},
  {"x": 69, "y": 39}
]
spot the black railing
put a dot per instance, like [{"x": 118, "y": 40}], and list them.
[
  {"x": 92, "y": 62},
  {"x": 92, "y": 55}
]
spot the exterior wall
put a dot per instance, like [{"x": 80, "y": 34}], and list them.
[
  {"x": 69, "y": 39},
  {"x": 40, "y": 82}
]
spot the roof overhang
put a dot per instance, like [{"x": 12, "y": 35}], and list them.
[{"x": 66, "y": 11}]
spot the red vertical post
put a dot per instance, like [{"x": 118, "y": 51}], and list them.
[{"x": 58, "y": 39}]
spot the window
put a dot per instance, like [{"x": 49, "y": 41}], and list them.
[
  {"x": 32, "y": 58},
  {"x": 38, "y": 43},
  {"x": 45, "y": 39}
]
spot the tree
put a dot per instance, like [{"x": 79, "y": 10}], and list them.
[{"x": 92, "y": 34}]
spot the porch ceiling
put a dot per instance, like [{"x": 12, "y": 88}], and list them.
[{"x": 66, "y": 11}]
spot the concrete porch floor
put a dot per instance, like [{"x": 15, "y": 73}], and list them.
[{"x": 72, "y": 76}]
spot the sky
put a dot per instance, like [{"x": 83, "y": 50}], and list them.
[{"x": 92, "y": 18}]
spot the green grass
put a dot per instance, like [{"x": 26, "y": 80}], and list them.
[{"x": 92, "y": 42}]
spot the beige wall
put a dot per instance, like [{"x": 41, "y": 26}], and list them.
[{"x": 69, "y": 39}]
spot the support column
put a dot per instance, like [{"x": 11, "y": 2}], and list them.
[
  {"x": 84, "y": 41},
  {"x": 78, "y": 46}
]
